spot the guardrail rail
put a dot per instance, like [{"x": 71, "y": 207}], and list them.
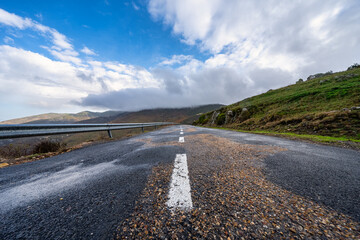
[{"x": 32, "y": 130}]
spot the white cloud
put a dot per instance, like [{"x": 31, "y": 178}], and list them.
[
  {"x": 56, "y": 84},
  {"x": 8, "y": 40},
  {"x": 43, "y": 83},
  {"x": 39, "y": 16},
  {"x": 87, "y": 51},
  {"x": 259, "y": 44},
  {"x": 60, "y": 40},
  {"x": 61, "y": 45},
  {"x": 280, "y": 34},
  {"x": 252, "y": 45},
  {"x": 192, "y": 19},
  {"x": 14, "y": 20},
  {"x": 176, "y": 59},
  {"x": 136, "y": 7}
]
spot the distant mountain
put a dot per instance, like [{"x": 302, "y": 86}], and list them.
[
  {"x": 178, "y": 115},
  {"x": 58, "y": 118},
  {"x": 103, "y": 119}
]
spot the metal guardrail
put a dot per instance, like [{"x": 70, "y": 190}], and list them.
[{"x": 32, "y": 130}]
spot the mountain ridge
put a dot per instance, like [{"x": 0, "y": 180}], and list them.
[
  {"x": 178, "y": 115},
  {"x": 53, "y": 118}
]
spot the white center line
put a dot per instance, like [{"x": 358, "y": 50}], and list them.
[
  {"x": 181, "y": 139},
  {"x": 181, "y": 133},
  {"x": 179, "y": 193}
]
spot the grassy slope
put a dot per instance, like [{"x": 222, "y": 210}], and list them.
[{"x": 312, "y": 107}]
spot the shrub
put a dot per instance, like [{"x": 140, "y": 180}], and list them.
[
  {"x": 201, "y": 119},
  {"x": 355, "y": 65},
  {"x": 47, "y": 146},
  {"x": 205, "y": 121},
  {"x": 319, "y": 75},
  {"x": 15, "y": 150},
  {"x": 220, "y": 120}
]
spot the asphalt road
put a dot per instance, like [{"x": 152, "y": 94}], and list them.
[
  {"x": 328, "y": 175},
  {"x": 87, "y": 193}
]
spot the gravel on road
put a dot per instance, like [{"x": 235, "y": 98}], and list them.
[{"x": 232, "y": 199}]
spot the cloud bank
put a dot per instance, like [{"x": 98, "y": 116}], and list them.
[
  {"x": 252, "y": 46},
  {"x": 58, "y": 82}
]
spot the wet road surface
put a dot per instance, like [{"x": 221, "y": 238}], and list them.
[{"x": 183, "y": 182}]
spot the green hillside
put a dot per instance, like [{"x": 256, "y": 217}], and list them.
[{"x": 326, "y": 104}]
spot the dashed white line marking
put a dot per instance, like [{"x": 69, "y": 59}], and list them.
[
  {"x": 179, "y": 193},
  {"x": 181, "y": 139},
  {"x": 181, "y": 133}
]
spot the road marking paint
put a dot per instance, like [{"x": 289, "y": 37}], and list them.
[
  {"x": 181, "y": 133},
  {"x": 179, "y": 193},
  {"x": 181, "y": 139}
]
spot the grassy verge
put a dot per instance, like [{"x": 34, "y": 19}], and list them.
[{"x": 327, "y": 140}]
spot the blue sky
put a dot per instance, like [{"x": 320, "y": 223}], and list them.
[
  {"x": 121, "y": 31},
  {"x": 70, "y": 56}
]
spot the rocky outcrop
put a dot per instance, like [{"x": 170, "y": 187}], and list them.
[
  {"x": 244, "y": 115},
  {"x": 229, "y": 118},
  {"x": 213, "y": 117}
]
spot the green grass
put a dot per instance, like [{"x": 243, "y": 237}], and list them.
[
  {"x": 308, "y": 96},
  {"x": 314, "y": 138},
  {"x": 307, "y": 108}
]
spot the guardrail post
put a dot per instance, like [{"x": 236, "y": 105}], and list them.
[
  {"x": 142, "y": 129},
  {"x": 155, "y": 126},
  {"x": 109, "y": 133}
]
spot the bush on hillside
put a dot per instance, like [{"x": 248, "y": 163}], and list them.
[
  {"x": 47, "y": 146},
  {"x": 203, "y": 119},
  {"x": 319, "y": 75},
  {"x": 355, "y": 65},
  {"x": 15, "y": 150},
  {"x": 220, "y": 120}
]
